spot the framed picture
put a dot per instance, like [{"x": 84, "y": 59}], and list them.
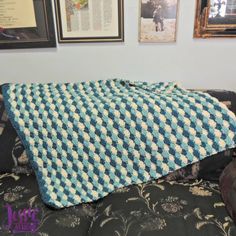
[
  {"x": 215, "y": 18},
  {"x": 26, "y": 24},
  {"x": 90, "y": 21},
  {"x": 158, "y": 21}
]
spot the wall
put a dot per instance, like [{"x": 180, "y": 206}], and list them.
[{"x": 194, "y": 63}]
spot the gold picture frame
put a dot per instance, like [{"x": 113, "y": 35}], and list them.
[{"x": 215, "y": 18}]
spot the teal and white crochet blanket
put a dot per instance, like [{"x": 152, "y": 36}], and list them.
[{"x": 85, "y": 140}]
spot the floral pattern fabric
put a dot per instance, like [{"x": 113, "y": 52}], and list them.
[
  {"x": 21, "y": 192},
  {"x": 157, "y": 208},
  {"x": 164, "y": 208}
]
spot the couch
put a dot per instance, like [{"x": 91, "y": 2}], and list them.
[{"x": 186, "y": 202}]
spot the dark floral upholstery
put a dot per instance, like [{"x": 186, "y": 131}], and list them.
[
  {"x": 164, "y": 208},
  {"x": 21, "y": 191},
  {"x": 158, "y": 208}
]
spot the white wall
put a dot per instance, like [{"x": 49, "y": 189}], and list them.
[{"x": 195, "y": 63}]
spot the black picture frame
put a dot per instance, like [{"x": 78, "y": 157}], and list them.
[
  {"x": 62, "y": 18},
  {"x": 41, "y": 36}
]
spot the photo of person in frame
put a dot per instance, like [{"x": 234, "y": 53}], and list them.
[{"x": 158, "y": 20}]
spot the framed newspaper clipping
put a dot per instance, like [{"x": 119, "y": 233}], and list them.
[
  {"x": 26, "y": 24},
  {"x": 90, "y": 21}
]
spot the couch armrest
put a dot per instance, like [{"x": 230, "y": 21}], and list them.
[{"x": 228, "y": 188}]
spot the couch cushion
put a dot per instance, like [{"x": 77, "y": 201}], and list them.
[
  {"x": 159, "y": 207},
  {"x": 21, "y": 192},
  {"x": 228, "y": 188},
  {"x": 165, "y": 209}
]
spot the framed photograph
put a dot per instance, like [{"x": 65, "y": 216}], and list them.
[
  {"x": 215, "y": 18},
  {"x": 26, "y": 24},
  {"x": 158, "y": 21},
  {"x": 90, "y": 21}
]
